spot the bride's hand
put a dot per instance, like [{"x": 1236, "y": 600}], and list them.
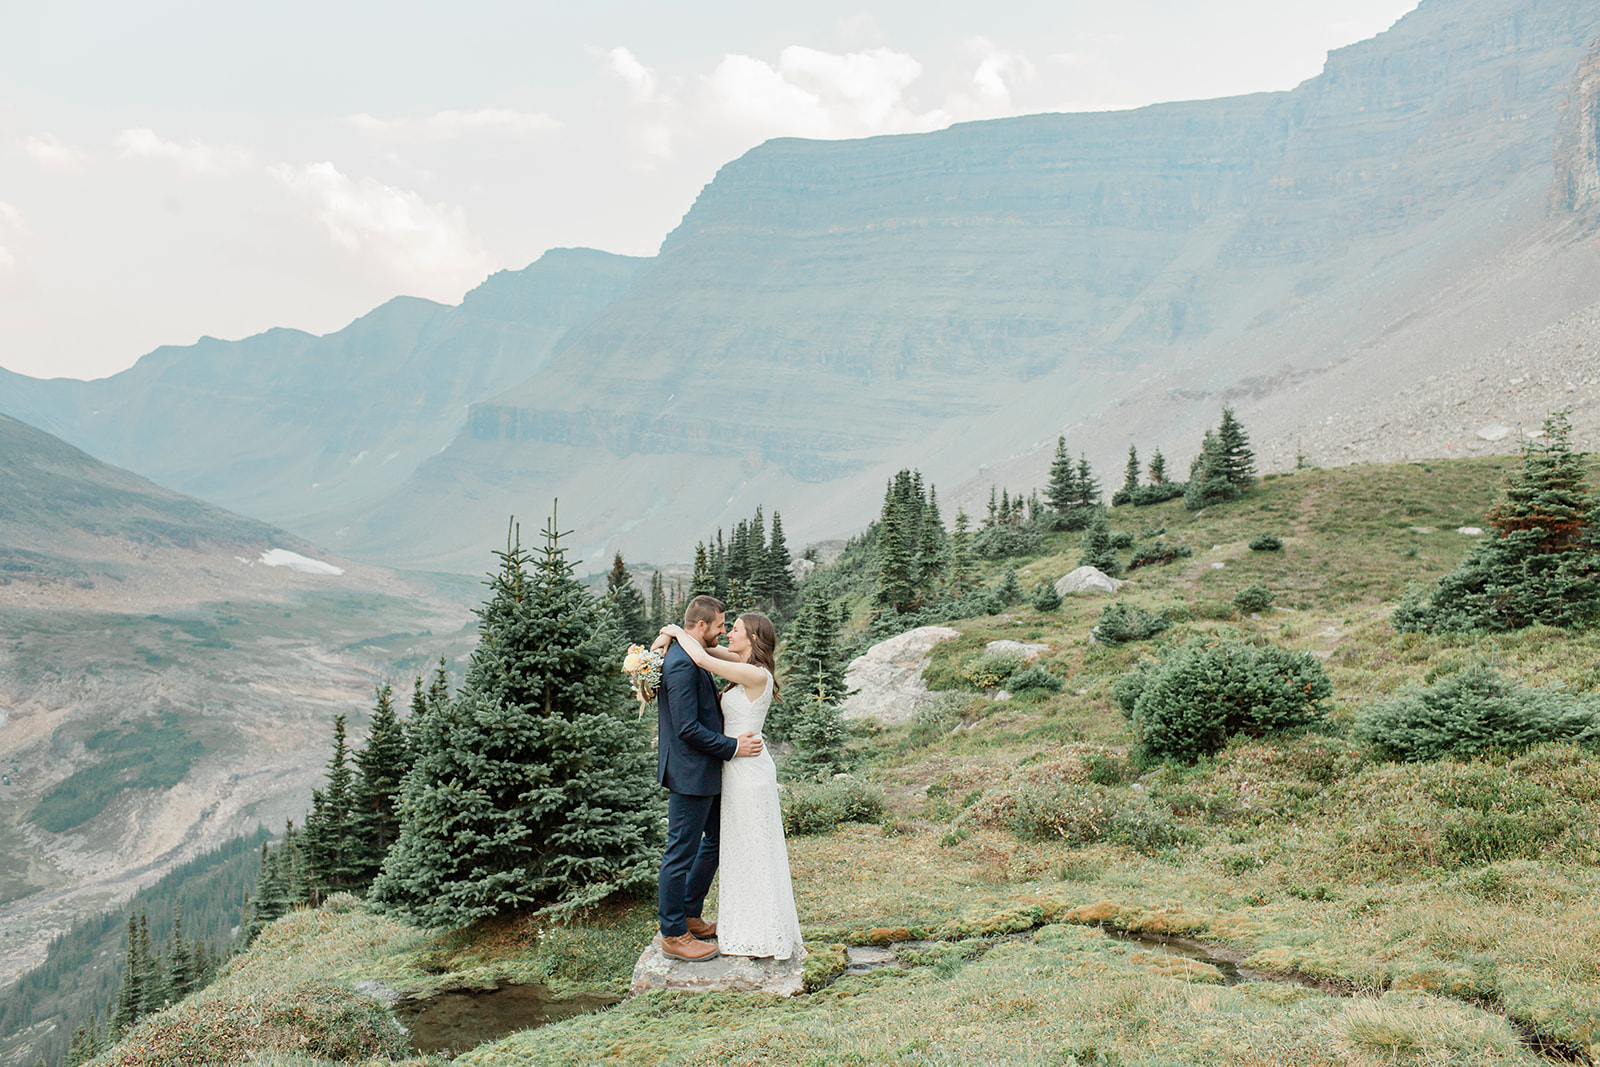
[{"x": 674, "y": 631}]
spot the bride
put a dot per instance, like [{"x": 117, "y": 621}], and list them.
[{"x": 756, "y": 915}]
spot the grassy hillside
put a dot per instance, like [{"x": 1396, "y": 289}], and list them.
[{"x": 1443, "y": 913}]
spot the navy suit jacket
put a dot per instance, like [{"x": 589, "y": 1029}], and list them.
[{"x": 691, "y": 747}]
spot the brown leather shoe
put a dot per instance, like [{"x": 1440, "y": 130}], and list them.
[
  {"x": 700, "y": 928},
  {"x": 687, "y": 947}
]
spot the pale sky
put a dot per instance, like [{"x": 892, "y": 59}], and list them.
[{"x": 174, "y": 169}]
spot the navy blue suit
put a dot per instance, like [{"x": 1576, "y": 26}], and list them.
[{"x": 691, "y": 749}]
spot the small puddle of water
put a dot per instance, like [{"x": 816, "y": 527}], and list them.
[{"x": 456, "y": 1020}]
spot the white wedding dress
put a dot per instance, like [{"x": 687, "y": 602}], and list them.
[{"x": 755, "y": 911}]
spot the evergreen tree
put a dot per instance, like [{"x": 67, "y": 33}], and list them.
[
  {"x": 933, "y": 551},
  {"x": 1208, "y": 476},
  {"x": 330, "y": 850},
  {"x": 1233, "y": 447},
  {"x": 659, "y": 615},
  {"x": 776, "y": 583},
  {"x": 993, "y": 518},
  {"x": 818, "y": 737},
  {"x": 897, "y": 588},
  {"x": 130, "y": 995},
  {"x": 1130, "y": 476},
  {"x": 963, "y": 569},
  {"x": 382, "y": 765},
  {"x": 1010, "y": 589},
  {"x": 703, "y": 582},
  {"x": 812, "y": 658},
  {"x": 1542, "y": 564},
  {"x": 626, "y": 604},
  {"x": 1005, "y": 508},
  {"x": 719, "y": 567},
  {"x": 1096, "y": 550},
  {"x": 180, "y": 970},
  {"x": 1158, "y": 468},
  {"x": 153, "y": 992},
  {"x": 1088, "y": 487},
  {"x": 1062, "y": 489},
  {"x": 535, "y": 787}
]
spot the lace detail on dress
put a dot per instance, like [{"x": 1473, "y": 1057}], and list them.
[{"x": 755, "y": 913}]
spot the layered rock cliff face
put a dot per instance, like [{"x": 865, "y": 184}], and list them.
[
  {"x": 830, "y": 311},
  {"x": 287, "y": 426},
  {"x": 1577, "y": 155}
]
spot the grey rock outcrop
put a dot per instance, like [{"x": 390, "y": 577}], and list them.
[
  {"x": 743, "y": 974},
  {"x": 887, "y": 678},
  {"x": 1087, "y": 580}
]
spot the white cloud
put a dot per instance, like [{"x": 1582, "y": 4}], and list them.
[
  {"x": 640, "y": 78},
  {"x": 441, "y": 125},
  {"x": 811, "y": 93},
  {"x": 995, "y": 65},
  {"x": 196, "y": 156},
  {"x": 48, "y": 151},
  {"x": 748, "y": 89},
  {"x": 425, "y": 246}
]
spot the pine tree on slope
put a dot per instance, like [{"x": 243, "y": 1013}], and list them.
[{"x": 534, "y": 788}]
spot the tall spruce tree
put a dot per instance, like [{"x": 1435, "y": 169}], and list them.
[
  {"x": 1096, "y": 551},
  {"x": 896, "y": 590},
  {"x": 933, "y": 549},
  {"x": 703, "y": 582},
  {"x": 330, "y": 850},
  {"x": 1088, "y": 485},
  {"x": 1208, "y": 476},
  {"x": 535, "y": 788},
  {"x": 382, "y": 765},
  {"x": 818, "y": 735},
  {"x": 1233, "y": 447},
  {"x": 777, "y": 583},
  {"x": 659, "y": 614},
  {"x": 1062, "y": 489},
  {"x": 1130, "y": 475},
  {"x": 963, "y": 566},
  {"x": 1542, "y": 563},
  {"x": 626, "y": 603},
  {"x": 1158, "y": 468}
]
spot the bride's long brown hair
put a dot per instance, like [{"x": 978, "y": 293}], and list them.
[{"x": 763, "y": 645}]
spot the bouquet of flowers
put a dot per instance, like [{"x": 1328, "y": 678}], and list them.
[{"x": 643, "y": 668}]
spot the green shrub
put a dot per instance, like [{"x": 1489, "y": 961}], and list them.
[
  {"x": 1034, "y": 679},
  {"x": 816, "y": 808},
  {"x": 991, "y": 670},
  {"x": 1472, "y": 712},
  {"x": 1003, "y": 542},
  {"x": 1083, "y": 814},
  {"x": 1266, "y": 543},
  {"x": 1157, "y": 552},
  {"x": 1253, "y": 599},
  {"x": 1044, "y": 597},
  {"x": 1121, "y": 538},
  {"x": 1188, "y": 703},
  {"x": 1121, "y": 622}
]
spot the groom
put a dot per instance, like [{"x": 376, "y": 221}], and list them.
[{"x": 691, "y": 752}]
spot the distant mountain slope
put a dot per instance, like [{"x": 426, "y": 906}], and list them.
[
  {"x": 285, "y": 425},
  {"x": 830, "y": 311},
  {"x": 169, "y": 673}
]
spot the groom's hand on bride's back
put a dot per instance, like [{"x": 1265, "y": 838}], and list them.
[{"x": 749, "y": 745}]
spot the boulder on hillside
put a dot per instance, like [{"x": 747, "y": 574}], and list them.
[
  {"x": 1087, "y": 580},
  {"x": 743, "y": 974},
  {"x": 887, "y": 680}
]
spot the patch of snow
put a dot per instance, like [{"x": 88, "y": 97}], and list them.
[
  {"x": 390, "y": 456},
  {"x": 359, "y": 457},
  {"x": 1470, "y": 531},
  {"x": 282, "y": 557}
]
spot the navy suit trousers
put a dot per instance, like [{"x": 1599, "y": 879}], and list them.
[{"x": 694, "y": 825}]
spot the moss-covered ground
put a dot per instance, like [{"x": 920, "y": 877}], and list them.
[{"x": 1441, "y": 913}]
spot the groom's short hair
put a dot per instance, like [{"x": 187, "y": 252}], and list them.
[{"x": 703, "y": 609}]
